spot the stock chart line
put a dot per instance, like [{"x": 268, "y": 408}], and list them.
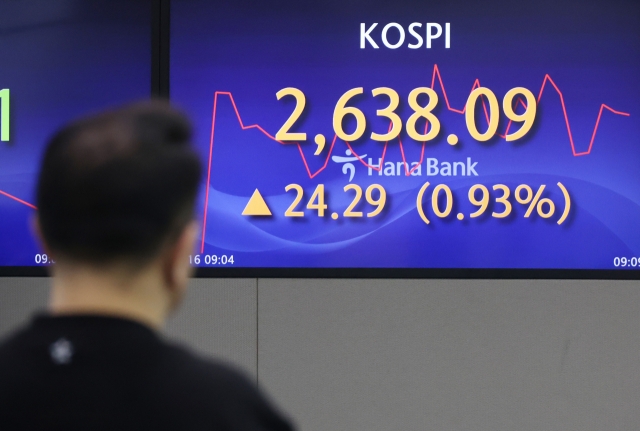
[
  {"x": 547, "y": 78},
  {"x": 18, "y": 200},
  {"x": 436, "y": 73}
]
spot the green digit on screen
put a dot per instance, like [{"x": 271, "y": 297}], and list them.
[{"x": 4, "y": 115}]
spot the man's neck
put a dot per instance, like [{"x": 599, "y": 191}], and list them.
[{"x": 78, "y": 289}]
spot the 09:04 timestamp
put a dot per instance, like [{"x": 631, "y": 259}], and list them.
[
  {"x": 211, "y": 259},
  {"x": 633, "y": 262}
]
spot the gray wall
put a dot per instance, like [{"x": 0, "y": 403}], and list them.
[{"x": 388, "y": 355}]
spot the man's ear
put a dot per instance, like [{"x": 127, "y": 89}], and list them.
[{"x": 178, "y": 269}]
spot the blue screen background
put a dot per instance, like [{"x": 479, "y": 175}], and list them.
[{"x": 60, "y": 60}]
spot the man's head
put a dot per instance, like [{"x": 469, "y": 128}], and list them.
[{"x": 117, "y": 190}]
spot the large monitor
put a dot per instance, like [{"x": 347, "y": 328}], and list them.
[
  {"x": 358, "y": 138},
  {"x": 58, "y": 60},
  {"x": 414, "y": 139}
]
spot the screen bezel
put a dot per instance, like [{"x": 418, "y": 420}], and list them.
[{"x": 382, "y": 273}]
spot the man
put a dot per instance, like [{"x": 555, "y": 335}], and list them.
[{"x": 115, "y": 199}]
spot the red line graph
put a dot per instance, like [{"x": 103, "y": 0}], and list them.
[
  {"x": 566, "y": 116},
  {"x": 436, "y": 73},
  {"x": 18, "y": 200}
]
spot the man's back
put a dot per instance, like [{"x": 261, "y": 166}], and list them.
[
  {"x": 116, "y": 200},
  {"x": 98, "y": 373}
]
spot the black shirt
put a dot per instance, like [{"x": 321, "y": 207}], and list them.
[{"x": 103, "y": 373}]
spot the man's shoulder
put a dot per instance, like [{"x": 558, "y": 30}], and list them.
[
  {"x": 221, "y": 387},
  {"x": 168, "y": 380},
  {"x": 192, "y": 368},
  {"x": 10, "y": 343}
]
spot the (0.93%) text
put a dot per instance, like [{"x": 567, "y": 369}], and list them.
[{"x": 441, "y": 202}]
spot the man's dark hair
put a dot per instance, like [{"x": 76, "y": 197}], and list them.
[{"x": 119, "y": 185}]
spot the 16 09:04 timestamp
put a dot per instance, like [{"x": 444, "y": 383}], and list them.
[{"x": 211, "y": 259}]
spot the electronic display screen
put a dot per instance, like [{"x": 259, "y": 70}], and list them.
[
  {"x": 404, "y": 134},
  {"x": 59, "y": 60}
]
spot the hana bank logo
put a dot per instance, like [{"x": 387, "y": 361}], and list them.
[{"x": 348, "y": 168}]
